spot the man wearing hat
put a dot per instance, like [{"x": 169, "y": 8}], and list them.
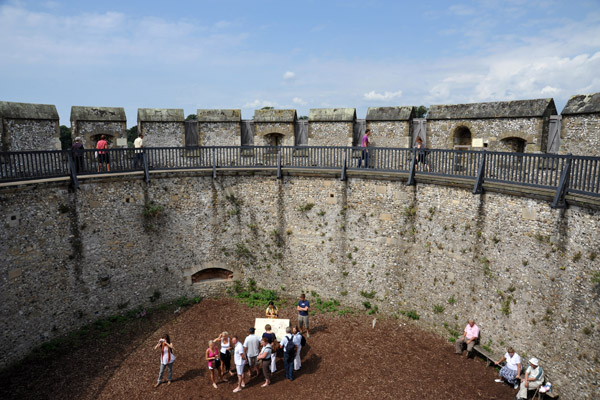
[{"x": 534, "y": 378}]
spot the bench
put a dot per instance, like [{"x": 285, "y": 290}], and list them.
[{"x": 491, "y": 360}]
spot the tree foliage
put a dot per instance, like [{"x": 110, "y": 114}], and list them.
[
  {"x": 132, "y": 134},
  {"x": 421, "y": 111},
  {"x": 65, "y": 137},
  {"x": 191, "y": 117}
]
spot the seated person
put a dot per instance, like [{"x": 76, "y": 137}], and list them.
[
  {"x": 470, "y": 337},
  {"x": 272, "y": 311},
  {"x": 534, "y": 378},
  {"x": 512, "y": 370}
]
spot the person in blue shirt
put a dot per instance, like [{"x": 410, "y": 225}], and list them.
[{"x": 302, "y": 308}]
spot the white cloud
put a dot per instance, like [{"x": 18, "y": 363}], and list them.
[
  {"x": 288, "y": 75},
  {"x": 372, "y": 95},
  {"x": 298, "y": 100},
  {"x": 258, "y": 104},
  {"x": 549, "y": 90}
]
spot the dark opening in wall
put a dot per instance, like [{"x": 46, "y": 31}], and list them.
[
  {"x": 211, "y": 274},
  {"x": 462, "y": 138},
  {"x": 514, "y": 144}
]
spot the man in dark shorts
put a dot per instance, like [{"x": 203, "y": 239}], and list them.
[{"x": 302, "y": 308}]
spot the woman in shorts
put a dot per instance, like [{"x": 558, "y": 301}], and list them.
[
  {"x": 225, "y": 355},
  {"x": 212, "y": 356},
  {"x": 101, "y": 147}
]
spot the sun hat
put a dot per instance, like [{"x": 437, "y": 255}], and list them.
[{"x": 534, "y": 361}]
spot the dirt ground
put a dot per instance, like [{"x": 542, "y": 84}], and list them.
[{"x": 345, "y": 358}]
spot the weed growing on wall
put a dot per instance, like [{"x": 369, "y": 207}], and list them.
[
  {"x": 412, "y": 314},
  {"x": 306, "y": 207},
  {"x": 438, "y": 308},
  {"x": 368, "y": 295}
]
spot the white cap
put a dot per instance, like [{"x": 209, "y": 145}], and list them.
[{"x": 534, "y": 361}]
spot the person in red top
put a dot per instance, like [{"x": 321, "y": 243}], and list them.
[{"x": 101, "y": 146}]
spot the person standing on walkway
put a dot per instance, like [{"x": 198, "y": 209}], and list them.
[
  {"x": 265, "y": 357},
  {"x": 303, "y": 306},
  {"x": 103, "y": 157},
  {"x": 298, "y": 342},
  {"x": 139, "y": 152},
  {"x": 289, "y": 352},
  {"x": 239, "y": 357},
  {"x": 272, "y": 339},
  {"x": 365, "y": 151},
  {"x": 251, "y": 348},
  {"x": 166, "y": 358},
  {"x": 77, "y": 150}
]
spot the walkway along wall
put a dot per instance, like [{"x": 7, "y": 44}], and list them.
[{"x": 523, "y": 271}]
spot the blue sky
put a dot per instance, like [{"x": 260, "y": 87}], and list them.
[{"x": 301, "y": 54}]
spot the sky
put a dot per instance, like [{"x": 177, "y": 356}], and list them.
[{"x": 298, "y": 54}]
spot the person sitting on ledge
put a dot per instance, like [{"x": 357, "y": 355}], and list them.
[
  {"x": 512, "y": 370},
  {"x": 470, "y": 337},
  {"x": 272, "y": 311},
  {"x": 534, "y": 378}
]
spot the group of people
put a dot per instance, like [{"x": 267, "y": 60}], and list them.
[
  {"x": 511, "y": 371},
  {"x": 250, "y": 357},
  {"x": 101, "y": 155},
  {"x": 365, "y": 142}
]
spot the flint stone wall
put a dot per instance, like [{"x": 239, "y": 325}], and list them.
[
  {"x": 26, "y": 126},
  {"x": 219, "y": 127},
  {"x": 580, "y": 128},
  {"x": 331, "y": 126},
  {"x": 90, "y": 131},
  {"x": 163, "y": 134},
  {"x": 389, "y": 133},
  {"x": 522, "y": 270}
]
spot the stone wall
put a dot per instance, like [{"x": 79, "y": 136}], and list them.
[
  {"x": 580, "y": 135},
  {"x": 389, "y": 133},
  {"x": 27, "y": 126},
  {"x": 219, "y": 127},
  {"x": 91, "y": 122},
  {"x": 330, "y": 133},
  {"x": 522, "y": 270},
  {"x": 163, "y": 134},
  {"x": 29, "y": 134},
  {"x": 440, "y": 133}
]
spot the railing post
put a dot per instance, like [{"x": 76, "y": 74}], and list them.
[
  {"x": 563, "y": 186},
  {"x": 413, "y": 167},
  {"x": 214, "y": 162},
  {"x": 279, "y": 176},
  {"x": 74, "y": 180},
  {"x": 146, "y": 170},
  {"x": 478, "y": 188},
  {"x": 343, "y": 177}
]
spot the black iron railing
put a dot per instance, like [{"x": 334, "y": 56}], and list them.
[{"x": 562, "y": 173}]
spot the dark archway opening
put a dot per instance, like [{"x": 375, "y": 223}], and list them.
[
  {"x": 462, "y": 138},
  {"x": 514, "y": 144},
  {"x": 212, "y": 274}
]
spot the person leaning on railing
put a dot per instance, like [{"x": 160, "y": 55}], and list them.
[
  {"x": 139, "y": 153},
  {"x": 103, "y": 158},
  {"x": 77, "y": 150}
]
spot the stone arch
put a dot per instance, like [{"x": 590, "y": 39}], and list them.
[
  {"x": 212, "y": 274},
  {"x": 273, "y": 139},
  {"x": 94, "y": 138},
  {"x": 513, "y": 144},
  {"x": 462, "y": 137}
]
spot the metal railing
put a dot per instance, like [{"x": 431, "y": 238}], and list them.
[{"x": 562, "y": 173}]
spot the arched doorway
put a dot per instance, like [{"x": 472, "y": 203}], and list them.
[
  {"x": 275, "y": 140},
  {"x": 462, "y": 138},
  {"x": 513, "y": 144}
]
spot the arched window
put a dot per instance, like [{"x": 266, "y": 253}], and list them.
[
  {"x": 462, "y": 138},
  {"x": 513, "y": 144},
  {"x": 211, "y": 274}
]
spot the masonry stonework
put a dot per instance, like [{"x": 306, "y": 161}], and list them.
[
  {"x": 331, "y": 126},
  {"x": 27, "y": 127},
  {"x": 580, "y": 131},
  {"x": 219, "y": 127},
  {"x": 522, "y": 270},
  {"x": 90, "y": 123},
  {"x": 390, "y": 126}
]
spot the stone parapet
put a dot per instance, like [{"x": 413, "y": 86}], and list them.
[
  {"x": 26, "y": 126},
  {"x": 90, "y": 123},
  {"x": 580, "y": 126}
]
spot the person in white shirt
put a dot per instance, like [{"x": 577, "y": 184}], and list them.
[
  {"x": 251, "y": 347},
  {"x": 289, "y": 352},
  {"x": 138, "y": 143},
  {"x": 239, "y": 358},
  {"x": 298, "y": 343},
  {"x": 512, "y": 370},
  {"x": 534, "y": 378}
]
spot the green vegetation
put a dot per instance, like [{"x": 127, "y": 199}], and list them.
[
  {"x": 253, "y": 296},
  {"x": 410, "y": 211},
  {"x": 596, "y": 277},
  {"x": 152, "y": 210},
  {"x": 242, "y": 251},
  {"x": 577, "y": 256},
  {"x": 486, "y": 267},
  {"x": 438, "y": 308},
  {"x": 451, "y": 300},
  {"x": 155, "y": 296},
  {"x": 306, "y": 207},
  {"x": 412, "y": 314},
  {"x": 368, "y": 295}
]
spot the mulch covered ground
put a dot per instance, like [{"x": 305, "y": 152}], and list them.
[{"x": 346, "y": 358}]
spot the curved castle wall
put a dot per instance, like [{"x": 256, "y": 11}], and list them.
[{"x": 523, "y": 271}]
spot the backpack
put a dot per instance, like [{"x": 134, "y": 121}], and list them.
[
  {"x": 290, "y": 347},
  {"x": 303, "y": 340}
]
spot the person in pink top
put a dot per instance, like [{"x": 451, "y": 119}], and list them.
[
  {"x": 166, "y": 357},
  {"x": 470, "y": 337},
  {"x": 101, "y": 146},
  {"x": 365, "y": 152},
  {"x": 212, "y": 356}
]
